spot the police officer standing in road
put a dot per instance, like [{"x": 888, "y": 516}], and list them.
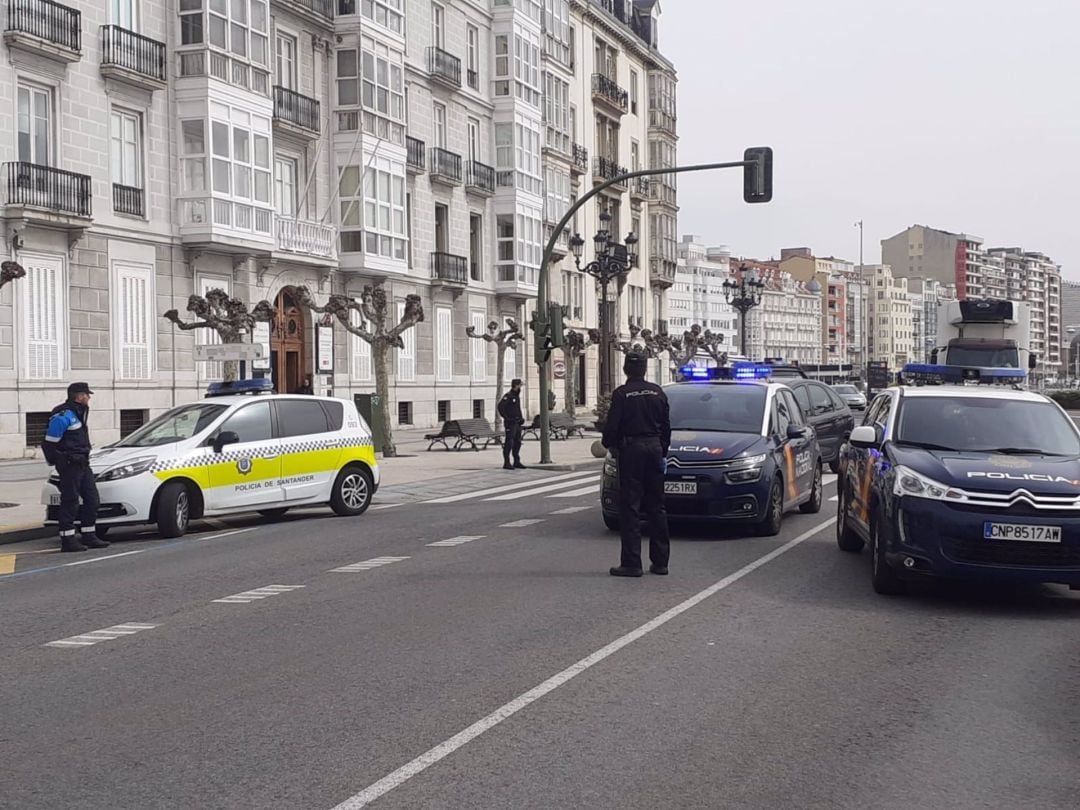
[
  {"x": 638, "y": 433},
  {"x": 67, "y": 447},
  {"x": 513, "y": 421}
]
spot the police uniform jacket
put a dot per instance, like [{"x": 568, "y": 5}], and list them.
[{"x": 639, "y": 409}]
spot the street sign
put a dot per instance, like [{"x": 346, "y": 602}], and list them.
[
  {"x": 224, "y": 352},
  {"x": 560, "y": 369},
  {"x": 326, "y": 348},
  {"x": 261, "y": 335}
]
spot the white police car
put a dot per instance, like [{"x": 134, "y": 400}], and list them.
[
  {"x": 230, "y": 453},
  {"x": 956, "y": 477}
]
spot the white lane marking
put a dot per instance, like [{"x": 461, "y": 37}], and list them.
[
  {"x": 828, "y": 478},
  {"x": 457, "y": 541},
  {"x": 377, "y": 507},
  {"x": 571, "y": 510},
  {"x": 507, "y": 488},
  {"x": 224, "y": 534},
  {"x": 513, "y": 496},
  {"x": 97, "y": 636},
  {"x": 107, "y": 557},
  {"x": 834, "y": 499},
  {"x": 367, "y": 565},
  {"x": 258, "y": 593},
  {"x": 521, "y": 524},
  {"x": 507, "y": 710},
  {"x": 577, "y": 493}
]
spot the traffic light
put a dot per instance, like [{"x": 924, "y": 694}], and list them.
[
  {"x": 555, "y": 320},
  {"x": 757, "y": 174},
  {"x": 542, "y": 344}
]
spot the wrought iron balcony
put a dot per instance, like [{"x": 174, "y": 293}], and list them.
[
  {"x": 605, "y": 169},
  {"x": 445, "y": 167},
  {"x": 414, "y": 155},
  {"x": 305, "y": 237},
  {"x": 444, "y": 67},
  {"x": 44, "y": 187},
  {"x": 640, "y": 188},
  {"x": 581, "y": 159},
  {"x": 608, "y": 92},
  {"x": 132, "y": 58},
  {"x": 128, "y": 200},
  {"x": 320, "y": 11},
  {"x": 45, "y": 27},
  {"x": 296, "y": 110},
  {"x": 450, "y": 269},
  {"x": 479, "y": 178}
]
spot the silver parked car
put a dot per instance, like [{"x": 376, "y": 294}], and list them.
[{"x": 851, "y": 395}]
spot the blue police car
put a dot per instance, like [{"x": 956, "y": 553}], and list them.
[
  {"x": 956, "y": 479},
  {"x": 741, "y": 451}
]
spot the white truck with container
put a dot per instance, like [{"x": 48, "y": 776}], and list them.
[{"x": 984, "y": 333}]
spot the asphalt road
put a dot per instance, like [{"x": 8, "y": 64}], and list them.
[{"x": 413, "y": 682}]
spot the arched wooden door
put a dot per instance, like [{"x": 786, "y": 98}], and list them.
[{"x": 287, "y": 344}]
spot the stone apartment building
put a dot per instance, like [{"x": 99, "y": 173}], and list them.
[
  {"x": 926, "y": 296},
  {"x": 841, "y": 300},
  {"x": 891, "y": 331},
  {"x": 977, "y": 271},
  {"x": 787, "y": 321},
  {"x": 698, "y": 293},
  {"x": 158, "y": 150}
]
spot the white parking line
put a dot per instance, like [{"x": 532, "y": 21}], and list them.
[
  {"x": 259, "y": 593},
  {"x": 457, "y": 541},
  {"x": 571, "y": 510},
  {"x": 521, "y": 524},
  {"x": 97, "y": 636},
  {"x": 506, "y": 488},
  {"x": 381, "y": 506},
  {"x": 507, "y": 710},
  {"x": 107, "y": 557},
  {"x": 367, "y": 565}
]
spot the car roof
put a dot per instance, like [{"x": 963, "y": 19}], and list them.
[
  {"x": 732, "y": 383},
  {"x": 971, "y": 391},
  {"x": 236, "y": 399}
]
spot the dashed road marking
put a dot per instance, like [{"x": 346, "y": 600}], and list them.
[
  {"x": 521, "y": 524},
  {"x": 97, "y": 636},
  {"x": 571, "y": 510},
  {"x": 259, "y": 593},
  {"x": 457, "y": 541},
  {"x": 367, "y": 565},
  {"x": 381, "y": 506}
]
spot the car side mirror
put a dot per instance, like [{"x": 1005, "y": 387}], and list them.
[
  {"x": 796, "y": 431},
  {"x": 224, "y": 438},
  {"x": 865, "y": 437}
]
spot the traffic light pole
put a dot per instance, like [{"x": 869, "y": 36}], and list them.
[{"x": 543, "y": 282}]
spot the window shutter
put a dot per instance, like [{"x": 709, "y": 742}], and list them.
[
  {"x": 479, "y": 348},
  {"x": 406, "y": 365},
  {"x": 361, "y": 351},
  {"x": 208, "y": 337},
  {"x": 133, "y": 311},
  {"x": 45, "y": 321},
  {"x": 444, "y": 368}
]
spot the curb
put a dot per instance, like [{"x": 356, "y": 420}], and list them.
[{"x": 591, "y": 464}]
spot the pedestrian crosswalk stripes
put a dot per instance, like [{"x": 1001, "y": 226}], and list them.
[
  {"x": 465, "y": 496},
  {"x": 593, "y": 487},
  {"x": 541, "y": 490}
]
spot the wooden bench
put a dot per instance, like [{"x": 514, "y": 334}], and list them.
[
  {"x": 562, "y": 426},
  {"x": 464, "y": 432}
]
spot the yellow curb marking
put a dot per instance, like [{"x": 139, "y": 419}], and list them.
[{"x": 7, "y": 564}]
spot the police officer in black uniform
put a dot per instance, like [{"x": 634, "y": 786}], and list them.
[
  {"x": 638, "y": 433},
  {"x": 513, "y": 423},
  {"x": 67, "y": 447}
]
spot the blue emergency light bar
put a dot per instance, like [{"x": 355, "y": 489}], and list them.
[
  {"x": 228, "y": 389},
  {"x": 738, "y": 372},
  {"x": 929, "y": 374}
]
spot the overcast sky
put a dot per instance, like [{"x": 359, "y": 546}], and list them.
[{"x": 959, "y": 114}]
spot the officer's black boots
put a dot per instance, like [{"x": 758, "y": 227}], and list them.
[
  {"x": 71, "y": 543},
  {"x": 622, "y": 571},
  {"x": 507, "y": 465},
  {"x": 93, "y": 541},
  {"x": 519, "y": 466},
  {"x": 658, "y": 569}
]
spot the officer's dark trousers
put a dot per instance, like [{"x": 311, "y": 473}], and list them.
[
  {"x": 641, "y": 495},
  {"x": 512, "y": 441},
  {"x": 77, "y": 482}
]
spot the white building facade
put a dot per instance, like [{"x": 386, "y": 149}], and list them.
[
  {"x": 891, "y": 331},
  {"x": 157, "y": 151},
  {"x": 697, "y": 296}
]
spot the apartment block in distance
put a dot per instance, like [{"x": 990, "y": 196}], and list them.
[{"x": 159, "y": 150}]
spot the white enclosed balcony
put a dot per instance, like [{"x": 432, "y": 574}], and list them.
[{"x": 306, "y": 238}]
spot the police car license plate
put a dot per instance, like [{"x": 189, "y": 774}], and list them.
[
  {"x": 680, "y": 487},
  {"x": 1027, "y": 534}
]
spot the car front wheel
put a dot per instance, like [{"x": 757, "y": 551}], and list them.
[
  {"x": 351, "y": 495},
  {"x": 817, "y": 495},
  {"x": 173, "y": 509},
  {"x": 774, "y": 511},
  {"x": 846, "y": 538},
  {"x": 884, "y": 577}
]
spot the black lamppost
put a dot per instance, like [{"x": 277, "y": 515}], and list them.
[
  {"x": 612, "y": 262},
  {"x": 743, "y": 295}
]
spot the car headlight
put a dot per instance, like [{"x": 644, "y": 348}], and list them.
[
  {"x": 610, "y": 469},
  {"x": 747, "y": 476},
  {"x": 748, "y": 461},
  {"x": 128, "y": 469},
  {"x": 917, "y": 485}
]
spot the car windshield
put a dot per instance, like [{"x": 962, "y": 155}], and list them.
[
  {"x": 724, "y": 408},
  {"x": 175, "y": 425},
  {"x": 983, "y": 424},
  {"x": 981, "y": 356},
  {"x": 845, "y": 389}
]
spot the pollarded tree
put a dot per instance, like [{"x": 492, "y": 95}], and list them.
[
  {"x": 9, "y": 272},
  {"x": 503, "y": 339},
  {"x": 226, "y": 315},
  {"x": 574, "y": 345},
  {"x": 376, "y": 330}
]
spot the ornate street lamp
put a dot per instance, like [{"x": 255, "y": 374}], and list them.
[
  {"x": 612, "y": 262},
  {"x": 743, "y": 295}
]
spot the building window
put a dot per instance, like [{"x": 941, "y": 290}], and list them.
[
  {"x": 285, "y": 173},
  {"x": 472, "y": 57},
  {"x": 633, "y": 91},
  {"x": 379, "y": 89},
  {"x": 504, "y": 225},
  {"x": 241, "y": 163},
  {"x": 444, "y": 346},
  {"x": 383, "y": 214},
  {"x": 557, "y": 30},
  {"x": 35, "y": 125},
  {"x": 404, "y": 413},
  {"x": 477, "y": 412},
  {"x": 208, "y": 337},
  {"x": 131, "y": 420},
  {"x": 360, "y": 349},
  {"x": 125, "y": 142},
  {"x": 37, "y": 422},
  {"x": 443, "y": 410},
  {"x": 134, "y": 307},
  {"x": 285, "y": 48},
  {"x": 124, "y": 13},
  {"x": 44, "y": 325},
  {"x": 406, "y": 356},
  {"x": 557, "y": 112},
  {"x": 193, "y": 155},
  {"x": 478, "y": 366},
  {"x": 438, "y": 25},
  {"x": 476, "y": 250},
  {"x": 438, "y": 113},
  {"x": 387, "y": 13},
  {"x": 526, "y": 75},
  {"x": 557, "y": 194},
  {"x": 348, "y": 78},
  {"x": 239, "y": 27}
]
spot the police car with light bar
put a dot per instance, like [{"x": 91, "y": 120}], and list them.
[
  {"x": 242, "y": 449},
  {"x": 741, "y": 451},
  {"x": 963, "y": 473}
]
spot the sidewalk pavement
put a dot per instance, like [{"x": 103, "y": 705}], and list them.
[{"x": 21, "y": 514}]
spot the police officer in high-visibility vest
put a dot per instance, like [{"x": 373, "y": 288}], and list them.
[
  {"x": 638, "y": 433},
  {"x": 67, "y": 447}
]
